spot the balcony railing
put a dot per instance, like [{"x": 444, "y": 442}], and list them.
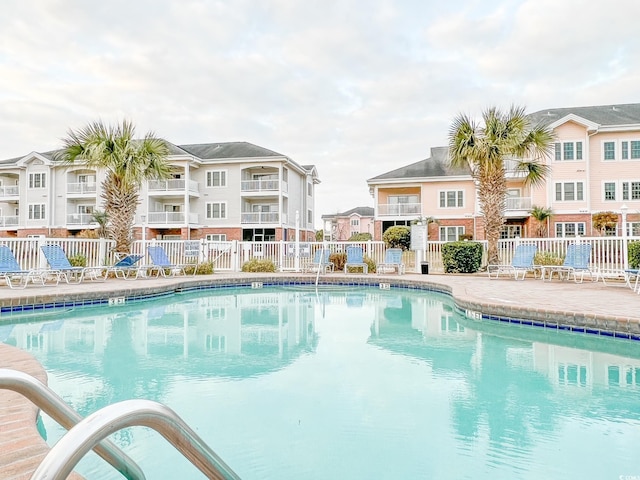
[
  {"x": 12, "y": 191},
  {"x": 175, "y": 185},
  {"x": 260, "y": 217},
  {"x": 81, "y": 188},
  {"x": 399, "y": 209},
  {"x": 260, "y": 185},
  {"x": 80, "y": 219},
  {"x": 517, "y": 203},
  {"x": 167, "y": 218},
  {"x": 9, "y": 221}
]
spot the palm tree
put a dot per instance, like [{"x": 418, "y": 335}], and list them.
[
  {"x": 485, "y": 148},
  {"x": 542, "y": 215},
  {"x": 127, "y": 161}
]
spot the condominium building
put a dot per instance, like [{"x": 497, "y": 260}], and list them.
[
  {"x": 594, "y": 168},
  {"x": 342, "y": 226},
  {"x": 218, "y": 191}
]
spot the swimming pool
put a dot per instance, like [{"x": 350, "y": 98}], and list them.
[{"x": 347, "y": 383}]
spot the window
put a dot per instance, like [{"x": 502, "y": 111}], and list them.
[
  {"x": 36, "y": 211},
  {"x": 217, "y": 210},
  {"x": 309, "y": 189},
  {"x": 216, "y": 237},
  {"x": 635, "y": 149},
  {"x": 355, "y": 222},
  {"x": 609, "y": 150},
  {"x": 568, "y": 150},
  {"x": 569, "y": 191},
  {"x": 511, "y": 231},
  {"x": 450, "y": 234},
  {"x": 630, "y": 190},
  {"x": 570, "y": 229},
  {"x": 609, "y": 191},
  {"x": 633, "y": 228},
  {"x": 309, "y": 217},
  {"x": 452, "y": 199},
  {"x": 217, "y": 178},
  {"x": 625, "y": 150},
  {"x": 37, "y": 180},
  {"x": 87, "y": 209}
]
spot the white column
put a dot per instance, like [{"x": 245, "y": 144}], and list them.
[{"x": 625, "y": 252}]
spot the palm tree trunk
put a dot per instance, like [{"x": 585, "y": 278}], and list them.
[
  {"x": 492, "y": 193},
  {"x": 121, "y": 202}
]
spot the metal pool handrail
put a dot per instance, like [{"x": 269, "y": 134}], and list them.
[
  {"x": 65, "y": 454},
  {"x": 54, "y": 406}
]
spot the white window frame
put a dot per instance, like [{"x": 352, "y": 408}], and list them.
[
  {"x": 604, "y": 150},
  {"x": 355, "y": 222},
  {"x": 579, "y": 227},
  {"x": 563, "y": 191},
  {"x": 40, "y": 209},
  {"x": 626, "y": 149},
  {"x": 604, "y": 191},
  {"x": 443, "y": 198},
  {"x": 222, "y": 178},
  {"x": 633, "y": 229},
  {"x": 309, "y": 189},
  {"x": 216, "y": 237},
  {"x": 41, "y": 180},
  {"x": 628, "y": 194},
  {"x": 309, "y": 217},
  {"x": 443, "y": 232},
  {"x": 222, "y": 209},
  {"x": 560, "y": 151}
]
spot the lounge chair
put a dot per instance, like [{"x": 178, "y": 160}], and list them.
[
  {"x": 61, "y": 266},
  {"x": 632, "y": 279},
  {"x": 163, "y": 266},
  {"x": 521, "y": 263},
  {"x": 320, "y": 261},
  {"x": 576, "y": 262},
  {"x": 355, "y": 258},
  {"x": 14, "y": 275},
  {"x": 126, "y": 268},
  {"x": 392, "y": 261}
]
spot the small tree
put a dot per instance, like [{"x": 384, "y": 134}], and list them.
[
  {"x": 360, "y": 237},
  {"x": 541, "y": 215},
  {"x": 319, "y": 235},
  {"x": 603, "y": 221}
]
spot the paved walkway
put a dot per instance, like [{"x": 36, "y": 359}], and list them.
[{"x": 22, "y": 448}]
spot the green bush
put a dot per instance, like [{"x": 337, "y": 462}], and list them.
[
  {"x": 78, "y": 260},
  {"x": 360, "y": 237},
  {"x": 461, "y": 257},
  {"x": 371, "y": 266},
  {"x": 258, "y": 265},
  {"x": 338, "y": 260},
  {"x": 547, "y": 258},
  {"x": 634, "y": 254},
  {"x": 397, "y": 237},
  {"x": 205, "y": 268}
]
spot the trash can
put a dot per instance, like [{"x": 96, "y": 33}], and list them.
[{"x": 424, "y": 268}]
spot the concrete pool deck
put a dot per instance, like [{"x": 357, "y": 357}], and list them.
[{"x": 611, "y": 306}]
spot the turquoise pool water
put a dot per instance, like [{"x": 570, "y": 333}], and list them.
[{"x": 350, "y": 384}]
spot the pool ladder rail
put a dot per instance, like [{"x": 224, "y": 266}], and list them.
[{"x": 91, "y": 432}]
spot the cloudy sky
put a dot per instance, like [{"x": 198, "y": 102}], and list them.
[{"x": 356, "y": 87}]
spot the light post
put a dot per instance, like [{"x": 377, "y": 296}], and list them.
[{"x": 625, "y": 253}]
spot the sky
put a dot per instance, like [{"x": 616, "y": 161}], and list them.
[{"x": 355, "y": 87}]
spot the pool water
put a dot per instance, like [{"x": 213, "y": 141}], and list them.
[{"x": 347, "y": 384}]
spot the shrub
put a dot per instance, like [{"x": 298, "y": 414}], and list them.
[
  {"x": 634, "y": 254},
  {"x": 78, "y": 260},
  {"x": 258, "y": 265},
  {"x": 371, "y": 266},
  {"x": 205, "y": 268},
  {"x": 461, "y": 257},
  {"x": 360, "y": 237},
  {"x": 397, "y": 237},
  {"x": 547, "y": 258},
  {"x": 465, "y": 236},
  {"x": 338, "y": 260}
]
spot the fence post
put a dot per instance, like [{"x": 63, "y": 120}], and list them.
[{"x": 102, "y": 252}]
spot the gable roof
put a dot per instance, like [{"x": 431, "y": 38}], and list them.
[
  {"x": 211, "y": 151},
  {"x": 437, "y": 165},
  {"x": 602, "y": 115}
]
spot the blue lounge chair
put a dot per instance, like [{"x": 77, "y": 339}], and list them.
[
  {"x": 126, "y": 268},
  {"x": 320, "y": 261},
  {"x": 521, "y": 263},
  {"x": 392, "y": 261},
  {"x": 61, "y": 266},
  {"x": 11, "y": 271},
  {"x": 355, "y": 258},
  {"x": 163, "y": 266},
  {"x": 576, "y": 262}
]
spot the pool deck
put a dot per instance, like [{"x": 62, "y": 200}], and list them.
[{"x": 608, "y": 306}]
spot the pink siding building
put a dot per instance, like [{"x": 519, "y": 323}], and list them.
[{"x": 342, "y": 226}]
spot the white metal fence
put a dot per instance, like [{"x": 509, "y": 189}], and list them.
[{"x": 607, "y": 253}]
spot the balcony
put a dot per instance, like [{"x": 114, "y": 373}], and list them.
[
  {"x": 12, "y": 191},
  {"x": 175, "y": 186},
  {"x": 81, "y": 188},
  {"x": 260, "y": 185},
  {"x": 170, "y": 218},
  {"x": 80, "y": 219},
  {"x": 399, "y": 209},
  {"x": 260, "y": 217},
  {"x": 9, "y": 221},
  {"x": 517, "y": 203}
]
